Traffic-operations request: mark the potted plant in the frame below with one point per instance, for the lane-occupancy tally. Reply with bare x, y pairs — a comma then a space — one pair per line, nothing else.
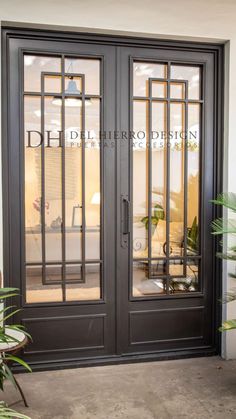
9, 335
222, 226
159, 214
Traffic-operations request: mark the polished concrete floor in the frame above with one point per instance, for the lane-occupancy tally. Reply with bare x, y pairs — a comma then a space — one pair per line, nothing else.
191, 388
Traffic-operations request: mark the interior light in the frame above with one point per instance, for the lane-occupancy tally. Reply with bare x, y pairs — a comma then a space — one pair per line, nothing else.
96, 198
72, 102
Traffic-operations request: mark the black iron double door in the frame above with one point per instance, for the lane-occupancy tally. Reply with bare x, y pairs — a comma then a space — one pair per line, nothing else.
110, 172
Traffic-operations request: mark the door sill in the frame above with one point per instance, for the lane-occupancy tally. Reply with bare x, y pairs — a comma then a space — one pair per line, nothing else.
120, 359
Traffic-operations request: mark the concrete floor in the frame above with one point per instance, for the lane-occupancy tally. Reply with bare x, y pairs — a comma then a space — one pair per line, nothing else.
191, 388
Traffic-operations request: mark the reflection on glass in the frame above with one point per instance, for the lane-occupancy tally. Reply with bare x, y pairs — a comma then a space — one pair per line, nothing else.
188, 283
193, 177
142, 71
140, 179
192, 75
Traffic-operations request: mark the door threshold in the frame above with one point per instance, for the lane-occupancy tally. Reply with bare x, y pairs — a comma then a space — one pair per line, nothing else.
120, 359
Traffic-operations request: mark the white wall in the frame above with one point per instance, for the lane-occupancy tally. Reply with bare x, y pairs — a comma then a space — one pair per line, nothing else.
182, 19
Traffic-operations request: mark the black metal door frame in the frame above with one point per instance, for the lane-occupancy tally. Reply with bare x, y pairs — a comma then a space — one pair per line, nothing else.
198, 307
173, 48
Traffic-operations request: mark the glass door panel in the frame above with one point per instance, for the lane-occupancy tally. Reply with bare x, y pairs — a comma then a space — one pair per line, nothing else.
62, 116
166, 109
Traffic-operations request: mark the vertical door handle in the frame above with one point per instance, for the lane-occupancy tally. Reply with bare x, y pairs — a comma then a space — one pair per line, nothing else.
125, 220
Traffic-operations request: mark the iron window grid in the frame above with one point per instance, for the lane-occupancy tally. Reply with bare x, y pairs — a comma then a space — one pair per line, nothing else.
63, 263
168, 100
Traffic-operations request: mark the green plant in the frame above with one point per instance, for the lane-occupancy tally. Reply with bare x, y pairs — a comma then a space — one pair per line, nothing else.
5, 314
223, 227
192, 236
6, 412
7, 337
159, 214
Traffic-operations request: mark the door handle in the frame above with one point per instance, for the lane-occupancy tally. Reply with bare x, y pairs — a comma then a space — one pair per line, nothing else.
125, 220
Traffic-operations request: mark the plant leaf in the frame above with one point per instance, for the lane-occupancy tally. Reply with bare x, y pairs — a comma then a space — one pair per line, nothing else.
6, 412
228, 325
221, 226
227, 199
11, 314
19, 361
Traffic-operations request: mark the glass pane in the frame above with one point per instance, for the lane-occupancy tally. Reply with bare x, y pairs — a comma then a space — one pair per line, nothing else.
193, 178
90, 289
52, 182
73, 85
176, 178
192, 75
145, 282
158, 178
52, 84
159, 89
90, 68
34, 65
177, 90
140, 179
74, 273
143, 71
33, 239
38, 293
73, 183
92, 177
188, 283
66, 181
176, 141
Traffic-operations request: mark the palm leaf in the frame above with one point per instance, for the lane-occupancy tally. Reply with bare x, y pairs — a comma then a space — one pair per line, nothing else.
221, 226
226, 199
226, 256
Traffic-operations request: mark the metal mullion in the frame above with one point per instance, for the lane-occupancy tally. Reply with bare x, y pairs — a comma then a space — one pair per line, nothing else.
63, 174
69, 262
68, 282
83, 179
158, 99
43, 238
180, 258
168, 184
185, 178
149, 180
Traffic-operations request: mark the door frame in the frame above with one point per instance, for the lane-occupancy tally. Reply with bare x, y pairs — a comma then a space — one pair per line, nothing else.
217, 50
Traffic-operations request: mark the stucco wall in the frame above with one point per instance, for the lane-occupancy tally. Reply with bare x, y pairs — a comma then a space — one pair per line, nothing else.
182, 19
